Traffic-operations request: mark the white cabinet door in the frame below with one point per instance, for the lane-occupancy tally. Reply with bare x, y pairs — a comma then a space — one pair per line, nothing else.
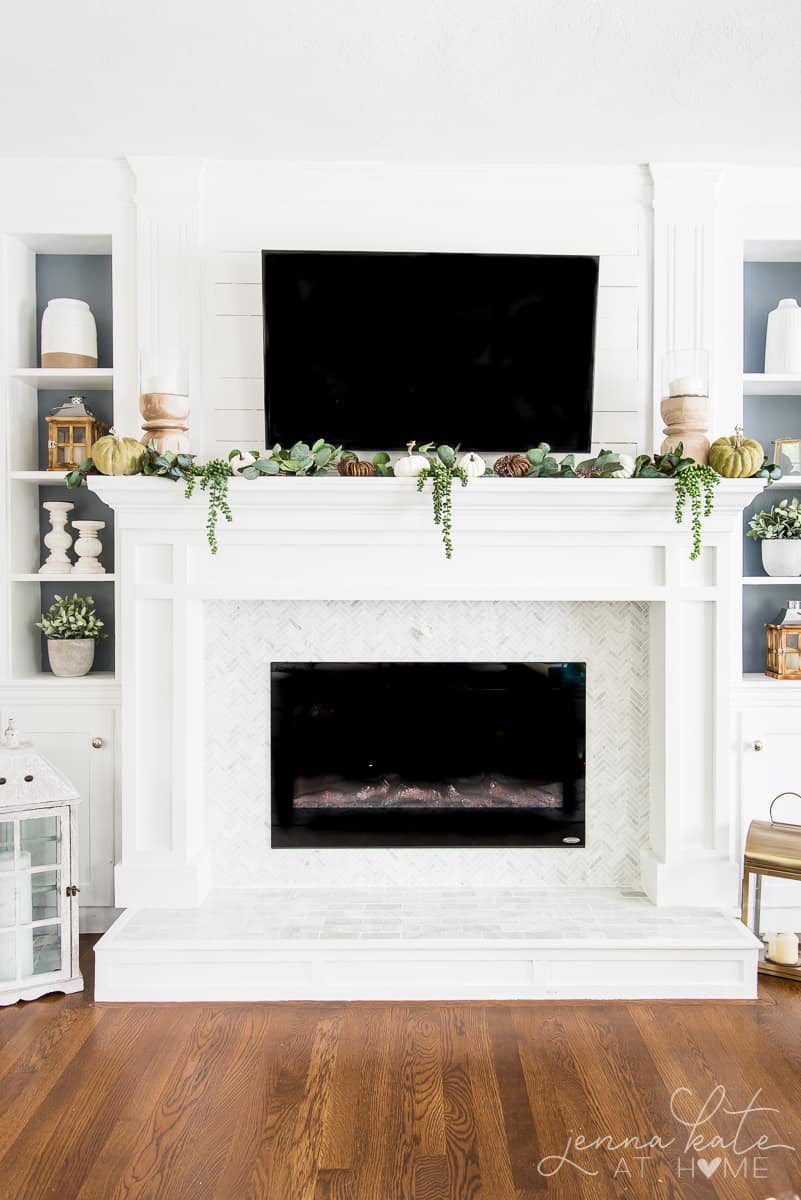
65, 734
770, 763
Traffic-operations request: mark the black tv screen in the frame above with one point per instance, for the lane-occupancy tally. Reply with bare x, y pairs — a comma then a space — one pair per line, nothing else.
370, 350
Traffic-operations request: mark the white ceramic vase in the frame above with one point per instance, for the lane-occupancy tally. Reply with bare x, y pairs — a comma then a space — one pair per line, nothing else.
783, 341
71, 657
57, 540
782, 556
69, 334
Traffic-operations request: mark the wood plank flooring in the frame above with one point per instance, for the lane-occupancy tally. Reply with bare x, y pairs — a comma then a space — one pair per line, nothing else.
395, 1101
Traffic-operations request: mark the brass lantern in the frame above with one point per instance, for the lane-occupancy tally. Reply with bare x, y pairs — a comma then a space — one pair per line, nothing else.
772, 848
71, 431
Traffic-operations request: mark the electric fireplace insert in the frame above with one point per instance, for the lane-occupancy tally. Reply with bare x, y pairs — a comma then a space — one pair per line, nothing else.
427, 754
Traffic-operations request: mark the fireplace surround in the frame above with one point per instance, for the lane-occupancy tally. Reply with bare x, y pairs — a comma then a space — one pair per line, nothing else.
242, 639
317, 552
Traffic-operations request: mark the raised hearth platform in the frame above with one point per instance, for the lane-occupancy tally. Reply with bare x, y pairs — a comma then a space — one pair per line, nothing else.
425, 944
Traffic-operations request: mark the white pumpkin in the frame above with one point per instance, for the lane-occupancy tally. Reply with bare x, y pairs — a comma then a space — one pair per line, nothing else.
627, 465
472, 464
411, 466
246, 459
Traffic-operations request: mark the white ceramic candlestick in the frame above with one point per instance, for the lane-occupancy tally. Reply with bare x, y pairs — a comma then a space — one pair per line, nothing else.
88, 547
783, 948
57, 540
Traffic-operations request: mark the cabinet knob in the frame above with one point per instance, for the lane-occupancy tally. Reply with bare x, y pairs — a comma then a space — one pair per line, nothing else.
97, 742
759, 745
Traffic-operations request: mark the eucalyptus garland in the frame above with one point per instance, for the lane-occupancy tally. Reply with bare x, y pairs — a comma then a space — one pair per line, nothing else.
697, 484
693, 482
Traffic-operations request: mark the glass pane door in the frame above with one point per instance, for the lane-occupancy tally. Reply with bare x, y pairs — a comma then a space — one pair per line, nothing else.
8, 916
34, 919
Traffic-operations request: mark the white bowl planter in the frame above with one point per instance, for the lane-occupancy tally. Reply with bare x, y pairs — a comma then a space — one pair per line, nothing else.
782, 556
71, 657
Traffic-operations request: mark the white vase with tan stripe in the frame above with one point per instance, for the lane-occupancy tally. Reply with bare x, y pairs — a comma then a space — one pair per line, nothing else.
69, 334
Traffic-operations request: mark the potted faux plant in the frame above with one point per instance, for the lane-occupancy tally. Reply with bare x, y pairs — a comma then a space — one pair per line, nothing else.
779, 530
71, 627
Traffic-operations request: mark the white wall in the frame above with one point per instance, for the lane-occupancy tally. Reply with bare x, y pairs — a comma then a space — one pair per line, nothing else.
404, 80
249, 207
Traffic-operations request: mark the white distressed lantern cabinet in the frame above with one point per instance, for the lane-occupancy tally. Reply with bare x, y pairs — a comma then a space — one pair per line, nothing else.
38, 869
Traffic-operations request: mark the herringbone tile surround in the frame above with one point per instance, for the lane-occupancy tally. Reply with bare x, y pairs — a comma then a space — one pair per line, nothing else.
242, 638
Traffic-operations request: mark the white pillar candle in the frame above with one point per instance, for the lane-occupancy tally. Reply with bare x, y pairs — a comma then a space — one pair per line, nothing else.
687, 385
783, 948
165, 384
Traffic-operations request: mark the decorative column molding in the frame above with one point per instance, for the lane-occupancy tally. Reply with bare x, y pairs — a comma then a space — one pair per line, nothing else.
168, 215
686, 271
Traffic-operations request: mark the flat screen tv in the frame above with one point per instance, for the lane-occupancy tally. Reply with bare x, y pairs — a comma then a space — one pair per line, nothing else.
370, 350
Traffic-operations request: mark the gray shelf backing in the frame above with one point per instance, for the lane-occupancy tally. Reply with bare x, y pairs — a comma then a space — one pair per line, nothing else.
87, 507
762, 605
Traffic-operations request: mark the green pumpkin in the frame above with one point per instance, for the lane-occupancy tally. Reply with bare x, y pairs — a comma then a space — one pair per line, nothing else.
114, 455
736, 457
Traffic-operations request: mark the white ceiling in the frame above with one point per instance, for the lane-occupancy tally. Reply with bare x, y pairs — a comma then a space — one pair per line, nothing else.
457, 80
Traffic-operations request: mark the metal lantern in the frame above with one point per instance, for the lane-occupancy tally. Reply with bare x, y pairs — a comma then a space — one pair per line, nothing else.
784, 651
38, 869
772, 848
71, 431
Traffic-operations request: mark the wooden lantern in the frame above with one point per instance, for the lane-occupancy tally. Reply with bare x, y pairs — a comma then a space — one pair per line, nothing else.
71, 431
784, 651
772, 848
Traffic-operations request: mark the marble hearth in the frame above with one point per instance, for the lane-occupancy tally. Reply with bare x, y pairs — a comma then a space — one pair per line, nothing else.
559, 569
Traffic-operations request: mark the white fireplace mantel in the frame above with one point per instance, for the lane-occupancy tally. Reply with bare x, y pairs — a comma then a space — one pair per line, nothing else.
568, 540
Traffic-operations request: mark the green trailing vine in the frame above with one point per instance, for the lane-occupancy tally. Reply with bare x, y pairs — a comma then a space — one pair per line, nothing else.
442, 469
697, 484
213, 478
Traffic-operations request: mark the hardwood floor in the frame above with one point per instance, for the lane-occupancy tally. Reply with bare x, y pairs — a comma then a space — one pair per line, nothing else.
387, 1101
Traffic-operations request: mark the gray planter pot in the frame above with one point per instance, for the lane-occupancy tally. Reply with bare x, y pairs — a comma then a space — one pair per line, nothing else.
70, 657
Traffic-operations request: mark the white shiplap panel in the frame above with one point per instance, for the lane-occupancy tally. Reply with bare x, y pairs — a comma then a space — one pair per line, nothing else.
615, 427
242, 428
618, 318
236, 266
303, 221
239, 393
618, 447
616, 380
236, 299
236, 347
619, 270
